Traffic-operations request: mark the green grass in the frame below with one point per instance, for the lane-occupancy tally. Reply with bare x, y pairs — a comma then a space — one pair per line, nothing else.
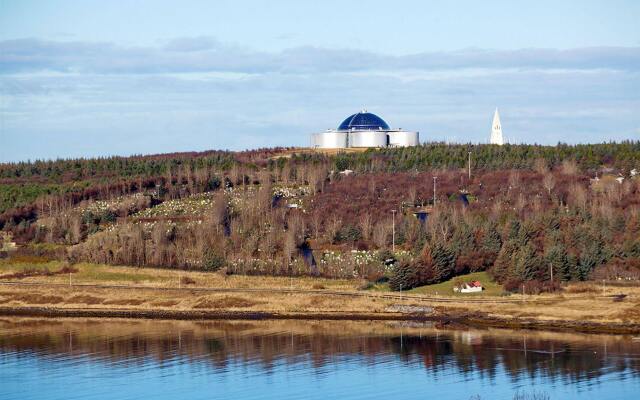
7, 266
491, 288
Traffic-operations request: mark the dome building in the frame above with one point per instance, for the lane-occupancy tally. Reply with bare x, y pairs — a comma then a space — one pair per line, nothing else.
363, 129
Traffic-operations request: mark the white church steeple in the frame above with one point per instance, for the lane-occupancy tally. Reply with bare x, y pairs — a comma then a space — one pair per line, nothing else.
496, 130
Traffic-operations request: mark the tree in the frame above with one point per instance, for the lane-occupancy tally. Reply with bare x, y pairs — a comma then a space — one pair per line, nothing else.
505, 261
556, 256
491, 241
549, 182
408, 274
513, 229
444, 261
526, 263
589, 259
462, 240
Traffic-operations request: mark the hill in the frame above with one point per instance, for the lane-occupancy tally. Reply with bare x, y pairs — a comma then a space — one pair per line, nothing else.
525, 210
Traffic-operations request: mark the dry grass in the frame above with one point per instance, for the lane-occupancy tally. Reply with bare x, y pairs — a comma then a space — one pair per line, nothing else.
579, 302
124, 302
582, 287
36, 298
106, 298
227, 302
549, 307
165, 303
156, 277
84, 299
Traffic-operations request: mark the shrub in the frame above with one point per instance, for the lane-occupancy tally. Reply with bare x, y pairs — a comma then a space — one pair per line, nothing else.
514, 285
213, 261
365, 285
348, 233
185, 280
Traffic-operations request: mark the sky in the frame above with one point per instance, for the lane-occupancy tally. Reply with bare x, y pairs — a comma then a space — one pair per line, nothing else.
96, 78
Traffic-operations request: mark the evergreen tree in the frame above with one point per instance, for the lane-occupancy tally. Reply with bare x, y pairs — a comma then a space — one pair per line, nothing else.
505, 261
444, 261
572, 266
513, 229
491, 241
404, 276
526, 263
557, 257
526, 232
589, 259
631, 248
462, 240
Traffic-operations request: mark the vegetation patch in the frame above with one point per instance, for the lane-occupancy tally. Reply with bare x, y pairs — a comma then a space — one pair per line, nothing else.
165, 303
84, 299
124, 302
491, 288
32, 271
225, 303
36, 298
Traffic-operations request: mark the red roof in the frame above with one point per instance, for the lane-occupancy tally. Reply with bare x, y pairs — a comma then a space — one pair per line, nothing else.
474, 284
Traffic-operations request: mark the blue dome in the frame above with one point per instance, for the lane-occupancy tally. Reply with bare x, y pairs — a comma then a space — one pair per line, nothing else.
363, 121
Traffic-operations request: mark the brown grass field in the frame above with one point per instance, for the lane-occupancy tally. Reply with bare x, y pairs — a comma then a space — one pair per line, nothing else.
162, 289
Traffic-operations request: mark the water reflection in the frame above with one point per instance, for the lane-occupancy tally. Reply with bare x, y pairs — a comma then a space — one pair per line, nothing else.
284, 357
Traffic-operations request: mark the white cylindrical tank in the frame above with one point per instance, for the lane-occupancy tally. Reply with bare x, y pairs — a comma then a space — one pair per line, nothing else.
368, 138
403, 138
329, 140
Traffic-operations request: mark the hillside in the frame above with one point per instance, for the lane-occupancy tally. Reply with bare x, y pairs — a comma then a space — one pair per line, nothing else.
526, 210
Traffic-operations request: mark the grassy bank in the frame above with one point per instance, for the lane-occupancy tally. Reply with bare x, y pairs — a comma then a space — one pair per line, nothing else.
100, 288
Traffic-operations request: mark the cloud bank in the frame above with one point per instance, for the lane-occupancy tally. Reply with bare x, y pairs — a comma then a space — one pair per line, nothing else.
62, 98
200, 54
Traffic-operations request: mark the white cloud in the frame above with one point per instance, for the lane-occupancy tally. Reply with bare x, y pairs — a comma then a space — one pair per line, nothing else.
74, 98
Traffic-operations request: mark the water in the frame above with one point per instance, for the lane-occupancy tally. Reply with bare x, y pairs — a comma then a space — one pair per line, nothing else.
133, 359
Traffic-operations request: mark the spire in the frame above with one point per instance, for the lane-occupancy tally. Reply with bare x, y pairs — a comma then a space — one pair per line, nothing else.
496, 130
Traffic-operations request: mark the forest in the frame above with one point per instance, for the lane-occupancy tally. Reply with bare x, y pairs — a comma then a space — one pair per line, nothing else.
528, 214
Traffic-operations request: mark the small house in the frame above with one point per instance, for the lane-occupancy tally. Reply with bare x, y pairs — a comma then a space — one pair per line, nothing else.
469, 287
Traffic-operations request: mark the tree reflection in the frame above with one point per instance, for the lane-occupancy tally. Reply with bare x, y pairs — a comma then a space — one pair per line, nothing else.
564, 358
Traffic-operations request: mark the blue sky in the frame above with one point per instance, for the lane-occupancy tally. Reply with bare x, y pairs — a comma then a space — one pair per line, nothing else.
91, 78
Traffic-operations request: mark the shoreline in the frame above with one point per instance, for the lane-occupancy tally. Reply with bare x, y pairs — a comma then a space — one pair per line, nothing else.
442, 319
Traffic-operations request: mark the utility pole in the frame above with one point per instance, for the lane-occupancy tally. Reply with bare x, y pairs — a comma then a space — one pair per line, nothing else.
434, 190
469, 165
393, 236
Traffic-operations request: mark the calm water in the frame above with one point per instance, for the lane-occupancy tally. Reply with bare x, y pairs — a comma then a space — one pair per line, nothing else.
122, 359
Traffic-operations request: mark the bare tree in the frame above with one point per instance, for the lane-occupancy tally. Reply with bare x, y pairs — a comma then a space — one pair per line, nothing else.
316, 223
366, 225
514, 179
549, 182
412, 195
569, 167
332, 228
540, 166
577, 195
372, 186
381, 234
